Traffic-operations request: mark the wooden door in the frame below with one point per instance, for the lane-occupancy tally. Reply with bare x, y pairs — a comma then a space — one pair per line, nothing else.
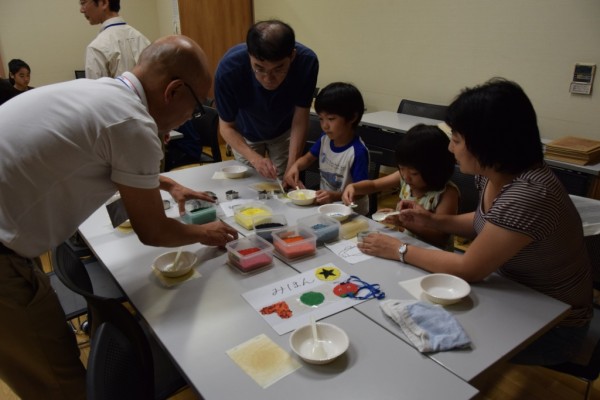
216, 25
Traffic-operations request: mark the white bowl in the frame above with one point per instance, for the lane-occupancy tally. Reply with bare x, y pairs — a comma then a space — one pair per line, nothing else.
164, 263
444, 288
334, 339
302, 197
234, 172
336, 211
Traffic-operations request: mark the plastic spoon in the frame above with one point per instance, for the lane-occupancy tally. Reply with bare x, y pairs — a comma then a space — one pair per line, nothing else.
280, 185
380, 216
177, 257
353, 205
318, 351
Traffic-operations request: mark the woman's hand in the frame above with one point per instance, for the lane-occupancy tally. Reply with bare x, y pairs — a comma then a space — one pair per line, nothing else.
412, 215
380, 245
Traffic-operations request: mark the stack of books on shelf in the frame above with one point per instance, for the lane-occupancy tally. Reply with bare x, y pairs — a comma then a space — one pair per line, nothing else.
574, 150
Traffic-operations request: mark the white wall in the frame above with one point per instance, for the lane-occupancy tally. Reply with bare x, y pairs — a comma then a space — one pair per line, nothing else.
391, 49
51, 35
429, 50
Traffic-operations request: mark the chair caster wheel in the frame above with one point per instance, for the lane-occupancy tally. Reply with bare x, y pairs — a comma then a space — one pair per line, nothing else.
85, 327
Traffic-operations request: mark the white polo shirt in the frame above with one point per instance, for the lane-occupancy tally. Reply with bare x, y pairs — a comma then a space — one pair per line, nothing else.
62, 149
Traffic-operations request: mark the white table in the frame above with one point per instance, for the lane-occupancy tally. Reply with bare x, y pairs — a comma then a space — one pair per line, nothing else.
395, 122
198, 321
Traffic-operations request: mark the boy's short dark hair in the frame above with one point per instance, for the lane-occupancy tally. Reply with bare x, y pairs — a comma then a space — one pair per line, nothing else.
499, 125
425, 148
342, 99
271, 40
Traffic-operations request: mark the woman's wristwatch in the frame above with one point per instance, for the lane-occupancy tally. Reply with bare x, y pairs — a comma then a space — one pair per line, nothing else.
402, 251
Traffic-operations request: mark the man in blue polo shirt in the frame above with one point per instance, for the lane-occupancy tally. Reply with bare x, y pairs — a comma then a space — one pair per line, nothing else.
263, 92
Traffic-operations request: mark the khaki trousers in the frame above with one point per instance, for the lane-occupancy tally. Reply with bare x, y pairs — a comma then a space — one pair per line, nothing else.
278, 150
39, 356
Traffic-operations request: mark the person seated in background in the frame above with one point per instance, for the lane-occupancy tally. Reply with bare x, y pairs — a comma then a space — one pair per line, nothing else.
263, 92
19, 76
525, 226
343, 157
425, 166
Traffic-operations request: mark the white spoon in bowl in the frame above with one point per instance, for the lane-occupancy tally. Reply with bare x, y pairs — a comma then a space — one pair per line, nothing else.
317, 349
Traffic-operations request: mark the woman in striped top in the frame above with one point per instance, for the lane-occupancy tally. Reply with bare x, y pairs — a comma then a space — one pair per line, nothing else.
525, 226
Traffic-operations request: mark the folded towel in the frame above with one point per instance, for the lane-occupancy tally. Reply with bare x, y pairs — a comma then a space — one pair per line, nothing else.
430, 328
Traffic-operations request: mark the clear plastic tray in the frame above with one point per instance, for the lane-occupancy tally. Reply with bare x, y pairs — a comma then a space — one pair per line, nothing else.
294, 242
249, 253
244, 214
325, 228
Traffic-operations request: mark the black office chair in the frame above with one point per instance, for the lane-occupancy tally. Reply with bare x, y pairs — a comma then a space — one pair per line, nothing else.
115, 368
590, 370
426, 110
74, 305
197, 133
469, 196
157, 364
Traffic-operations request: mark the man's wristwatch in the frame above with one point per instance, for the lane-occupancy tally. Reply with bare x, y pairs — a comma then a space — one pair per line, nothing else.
402, 251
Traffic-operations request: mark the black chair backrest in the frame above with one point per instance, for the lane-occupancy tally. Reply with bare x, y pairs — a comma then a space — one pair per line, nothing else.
469, 196
114, 369
426, 110
208, 129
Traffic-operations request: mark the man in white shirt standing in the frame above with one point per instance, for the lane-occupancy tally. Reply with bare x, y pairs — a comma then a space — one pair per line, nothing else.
117, 47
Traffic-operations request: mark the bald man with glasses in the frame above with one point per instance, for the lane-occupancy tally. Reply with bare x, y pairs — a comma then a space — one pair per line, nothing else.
66, 149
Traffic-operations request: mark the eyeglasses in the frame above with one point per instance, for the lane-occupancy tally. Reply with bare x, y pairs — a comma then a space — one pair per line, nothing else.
199, 111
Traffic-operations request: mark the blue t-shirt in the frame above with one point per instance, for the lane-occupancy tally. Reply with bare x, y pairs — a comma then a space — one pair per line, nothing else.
262, 114
340, 166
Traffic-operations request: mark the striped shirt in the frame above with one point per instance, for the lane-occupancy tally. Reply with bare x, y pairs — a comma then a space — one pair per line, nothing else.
556, 263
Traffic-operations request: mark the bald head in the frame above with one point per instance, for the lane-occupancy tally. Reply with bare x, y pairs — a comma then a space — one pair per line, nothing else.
174, 72
170, 57
271, 40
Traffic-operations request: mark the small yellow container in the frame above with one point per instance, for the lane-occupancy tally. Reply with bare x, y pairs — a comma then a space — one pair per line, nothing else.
245, 214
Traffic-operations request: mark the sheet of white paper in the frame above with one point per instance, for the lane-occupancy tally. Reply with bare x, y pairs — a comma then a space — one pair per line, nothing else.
348, 250
413, 287
287, 304
219, 175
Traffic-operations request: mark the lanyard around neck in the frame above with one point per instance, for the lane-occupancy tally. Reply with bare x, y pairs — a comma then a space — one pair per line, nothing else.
115, 24
129, 84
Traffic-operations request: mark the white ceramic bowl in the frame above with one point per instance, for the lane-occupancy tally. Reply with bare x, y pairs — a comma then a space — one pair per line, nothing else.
302, 197
234, 171
336, 211
164, 263
335, 342
444, 288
